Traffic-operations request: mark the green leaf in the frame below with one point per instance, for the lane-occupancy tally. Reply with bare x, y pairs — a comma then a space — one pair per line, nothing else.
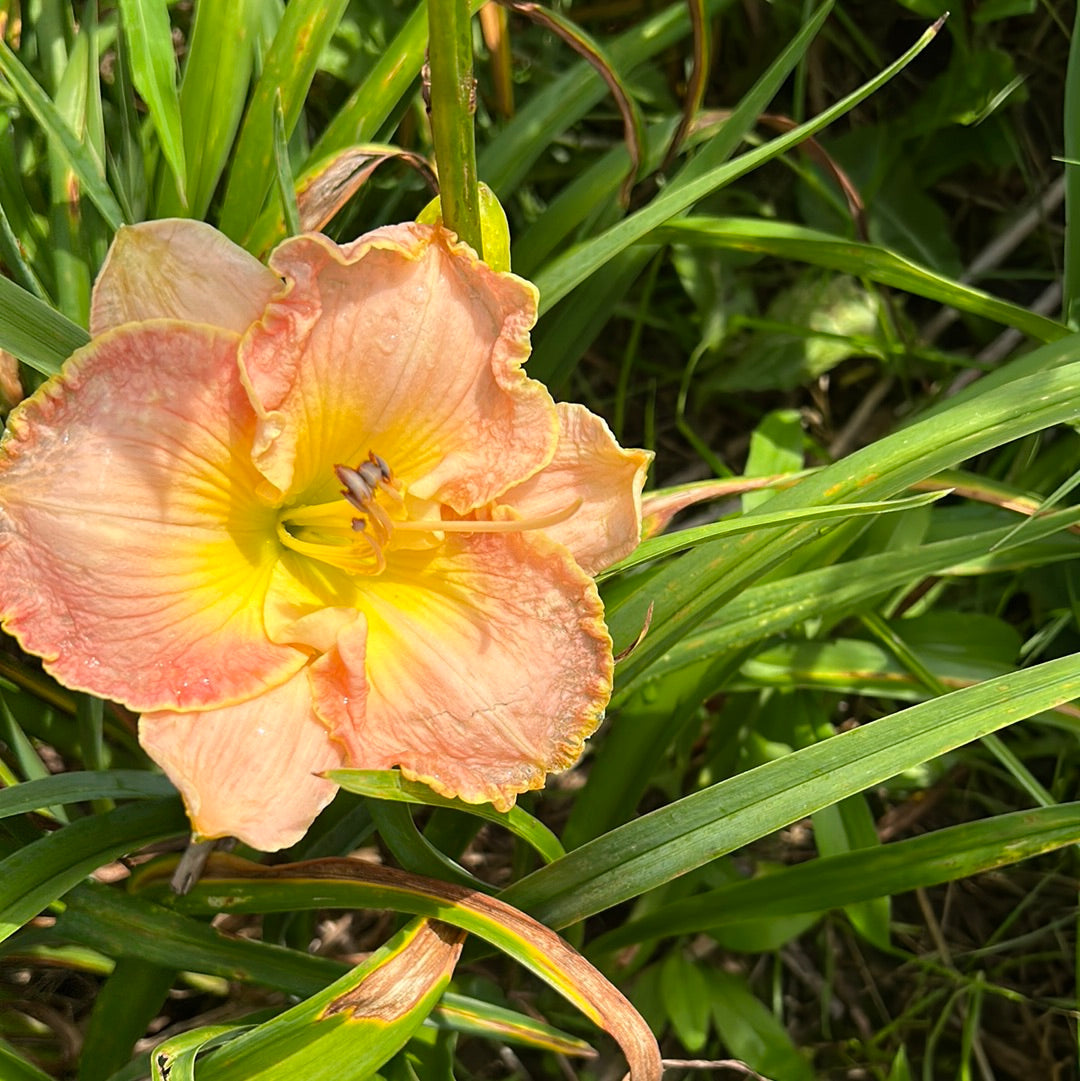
230, 884
283, 173
505, 161
174, 1059
39, 873
348, 1030
787, 241
701, 827
122, 926
390, 785
1071, 283
35, 332
686, 591
382, 89
750, 1032
217, 71
774, 607
686, 1000
569, 270
679, 541
861, 875
153, 70
288, 69
129, 1001
80, 157
79, 787
13, 1067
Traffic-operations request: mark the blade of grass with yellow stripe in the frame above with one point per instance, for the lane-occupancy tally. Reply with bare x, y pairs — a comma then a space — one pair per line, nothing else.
348, 1030
235, 885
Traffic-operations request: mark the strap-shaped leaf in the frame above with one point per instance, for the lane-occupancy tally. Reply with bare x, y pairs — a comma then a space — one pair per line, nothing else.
39, 873
231, 884
153, 70
789, 241
34, 331
696, 829
86, 167
288, 69
833, 881
78, 787
120, 926
570, 270
347, 1031
390, 785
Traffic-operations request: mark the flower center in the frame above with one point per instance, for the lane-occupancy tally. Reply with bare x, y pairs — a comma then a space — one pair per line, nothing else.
357, 542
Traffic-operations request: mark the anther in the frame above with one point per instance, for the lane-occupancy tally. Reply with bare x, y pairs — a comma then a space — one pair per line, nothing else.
362, 482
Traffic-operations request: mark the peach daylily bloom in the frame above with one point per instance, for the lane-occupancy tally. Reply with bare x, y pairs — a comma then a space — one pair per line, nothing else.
316, 515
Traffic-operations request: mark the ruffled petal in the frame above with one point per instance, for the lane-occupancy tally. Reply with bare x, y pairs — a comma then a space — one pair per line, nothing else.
134, 553
249, 770
403, 344
591, 466
477, 669
179, 269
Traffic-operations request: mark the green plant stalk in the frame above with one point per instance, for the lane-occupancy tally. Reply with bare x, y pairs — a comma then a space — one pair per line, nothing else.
1070, 301
452, 89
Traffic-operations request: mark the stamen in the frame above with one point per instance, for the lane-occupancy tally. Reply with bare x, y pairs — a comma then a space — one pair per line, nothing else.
347, 556
359, 548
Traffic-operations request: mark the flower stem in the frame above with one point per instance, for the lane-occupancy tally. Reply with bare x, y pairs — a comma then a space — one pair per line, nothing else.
452, 90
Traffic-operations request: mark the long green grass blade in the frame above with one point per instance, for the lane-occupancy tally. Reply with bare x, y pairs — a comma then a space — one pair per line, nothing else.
130, 999
39, 873
229, 884
13, 1067
348, 1030
76, 787
390, 785
121, 926
506, 160
571, 269
1070, 301
657, 547
217, 71
771, 608
696, 829
787, 241
834, 881
705, 578
34, 331
83, 164
153, 70
288, 69
369, 105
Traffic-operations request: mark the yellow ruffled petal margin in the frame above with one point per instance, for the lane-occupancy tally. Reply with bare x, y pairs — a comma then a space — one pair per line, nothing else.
477, 670
134, 554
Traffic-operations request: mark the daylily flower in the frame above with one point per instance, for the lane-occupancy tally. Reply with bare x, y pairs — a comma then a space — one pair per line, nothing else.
316, 515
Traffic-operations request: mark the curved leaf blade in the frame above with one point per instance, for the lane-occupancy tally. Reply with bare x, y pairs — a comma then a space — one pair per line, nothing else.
699, 828
153, 71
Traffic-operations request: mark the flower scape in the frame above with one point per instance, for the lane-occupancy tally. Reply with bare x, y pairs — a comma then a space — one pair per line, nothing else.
314, 514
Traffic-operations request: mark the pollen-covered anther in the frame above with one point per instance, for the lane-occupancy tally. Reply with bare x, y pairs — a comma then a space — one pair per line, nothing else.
361, 485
